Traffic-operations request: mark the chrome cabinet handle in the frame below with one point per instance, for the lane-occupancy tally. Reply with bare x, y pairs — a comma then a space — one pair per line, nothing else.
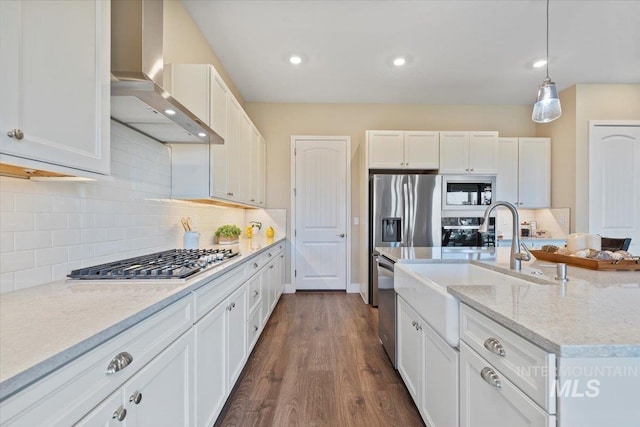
119, 362
255, 265
15, 133
490, 376
256, 293
136, 397
120, 414
340, 235
494, 346
229, 194
253, 200
271, 266
270, 255
255, 328
414, 323
418, 327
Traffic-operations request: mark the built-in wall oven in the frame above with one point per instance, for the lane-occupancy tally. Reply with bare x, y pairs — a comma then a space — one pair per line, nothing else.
467, 192
462, 231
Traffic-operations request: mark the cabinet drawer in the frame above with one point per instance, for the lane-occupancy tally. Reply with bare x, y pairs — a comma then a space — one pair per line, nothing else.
64, 396
214, 292
524, 364
254, 327
255, 293
254, 265
483, 403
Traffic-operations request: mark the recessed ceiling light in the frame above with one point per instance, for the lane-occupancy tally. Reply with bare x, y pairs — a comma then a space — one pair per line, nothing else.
169, 112
399, 61
202, 134
295, 59
540, 63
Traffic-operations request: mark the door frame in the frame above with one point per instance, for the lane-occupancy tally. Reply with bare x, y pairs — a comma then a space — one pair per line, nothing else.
350, 288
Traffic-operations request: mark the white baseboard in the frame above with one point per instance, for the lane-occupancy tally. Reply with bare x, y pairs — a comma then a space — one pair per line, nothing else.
289, 289
353, 288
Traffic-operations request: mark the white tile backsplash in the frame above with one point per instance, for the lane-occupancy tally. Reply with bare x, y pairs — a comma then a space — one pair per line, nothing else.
51, 228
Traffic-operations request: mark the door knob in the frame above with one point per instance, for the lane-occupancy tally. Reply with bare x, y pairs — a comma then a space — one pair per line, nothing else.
340, 235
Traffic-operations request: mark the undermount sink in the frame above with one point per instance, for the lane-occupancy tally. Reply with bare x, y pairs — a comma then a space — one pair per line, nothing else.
424, 287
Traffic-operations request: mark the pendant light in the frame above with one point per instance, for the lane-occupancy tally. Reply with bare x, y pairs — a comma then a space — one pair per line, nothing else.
547, 106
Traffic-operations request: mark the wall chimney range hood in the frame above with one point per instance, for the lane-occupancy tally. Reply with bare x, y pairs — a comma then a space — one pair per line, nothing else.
137, 97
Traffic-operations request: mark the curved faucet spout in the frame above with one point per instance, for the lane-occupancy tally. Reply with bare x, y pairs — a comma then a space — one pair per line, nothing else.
515, 261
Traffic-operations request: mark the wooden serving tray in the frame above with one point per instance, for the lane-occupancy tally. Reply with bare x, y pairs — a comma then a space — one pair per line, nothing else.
593, 264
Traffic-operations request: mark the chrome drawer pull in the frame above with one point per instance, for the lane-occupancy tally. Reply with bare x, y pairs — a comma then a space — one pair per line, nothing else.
255, 265
136, 398
119, 362
120, 414
494, 346
256, 293
490, 376
255, 328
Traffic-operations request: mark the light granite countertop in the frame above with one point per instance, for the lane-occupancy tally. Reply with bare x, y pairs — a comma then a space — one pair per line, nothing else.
44, 327
594, 314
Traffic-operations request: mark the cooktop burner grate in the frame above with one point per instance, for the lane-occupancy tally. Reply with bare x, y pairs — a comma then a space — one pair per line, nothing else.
171, 264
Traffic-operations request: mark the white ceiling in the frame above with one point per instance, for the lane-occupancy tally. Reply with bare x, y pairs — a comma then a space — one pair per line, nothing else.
461, 52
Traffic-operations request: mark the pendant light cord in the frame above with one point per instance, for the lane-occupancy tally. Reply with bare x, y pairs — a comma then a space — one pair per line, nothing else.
547, 39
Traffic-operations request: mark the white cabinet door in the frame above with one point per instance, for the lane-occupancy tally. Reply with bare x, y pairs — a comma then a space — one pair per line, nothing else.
439, 402
232, 151
110, 413
189, 84
160, 393
507, 178
485, 404
244, 158
210, 365
483, 152
385, 149
252, 157
262, 169
218, 99
421, 150
410, 347
55, 83
454, 152
236, 334
534, 172
524, 172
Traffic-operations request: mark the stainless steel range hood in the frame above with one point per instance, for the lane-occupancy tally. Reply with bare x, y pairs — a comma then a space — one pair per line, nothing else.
137, 97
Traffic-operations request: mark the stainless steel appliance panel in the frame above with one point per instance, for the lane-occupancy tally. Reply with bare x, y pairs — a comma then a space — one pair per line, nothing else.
404, 211
467, 192
386, 306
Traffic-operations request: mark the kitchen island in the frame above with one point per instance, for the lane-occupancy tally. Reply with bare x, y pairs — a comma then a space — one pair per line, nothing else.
530, 347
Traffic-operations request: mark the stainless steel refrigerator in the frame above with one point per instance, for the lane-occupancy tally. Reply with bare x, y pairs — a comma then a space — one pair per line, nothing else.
404, 210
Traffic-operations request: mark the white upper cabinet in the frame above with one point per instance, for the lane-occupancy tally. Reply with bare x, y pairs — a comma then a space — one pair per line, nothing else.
55, 85
524, 172
200, 88
403, 149
468, 152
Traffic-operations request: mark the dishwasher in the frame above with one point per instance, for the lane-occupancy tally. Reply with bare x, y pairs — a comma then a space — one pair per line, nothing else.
386, 306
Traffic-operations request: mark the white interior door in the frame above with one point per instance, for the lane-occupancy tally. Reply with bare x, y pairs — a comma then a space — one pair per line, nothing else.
614, 182
320, 191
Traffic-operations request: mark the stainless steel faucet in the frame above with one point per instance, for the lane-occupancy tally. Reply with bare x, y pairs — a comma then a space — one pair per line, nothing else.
515, 261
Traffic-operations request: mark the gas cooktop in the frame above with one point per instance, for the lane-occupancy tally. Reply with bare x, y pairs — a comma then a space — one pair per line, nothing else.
171, 264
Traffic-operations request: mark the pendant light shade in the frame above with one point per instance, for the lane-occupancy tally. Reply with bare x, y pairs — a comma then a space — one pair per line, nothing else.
547, 107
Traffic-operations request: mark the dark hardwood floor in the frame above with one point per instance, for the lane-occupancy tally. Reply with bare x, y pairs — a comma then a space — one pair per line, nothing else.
319, 362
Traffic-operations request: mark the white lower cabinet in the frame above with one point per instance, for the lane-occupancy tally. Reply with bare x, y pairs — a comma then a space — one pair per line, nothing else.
504, 379
156, 396
429, 368
488, 398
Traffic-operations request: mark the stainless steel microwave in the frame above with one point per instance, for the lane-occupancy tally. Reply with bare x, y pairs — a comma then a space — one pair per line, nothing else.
467, 192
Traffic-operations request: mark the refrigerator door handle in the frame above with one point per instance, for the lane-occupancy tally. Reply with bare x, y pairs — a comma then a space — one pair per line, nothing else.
405, 214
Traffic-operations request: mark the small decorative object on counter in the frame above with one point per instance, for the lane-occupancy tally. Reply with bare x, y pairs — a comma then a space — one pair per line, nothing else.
256, 224
228, 234
249, 231
191, 240
270, 232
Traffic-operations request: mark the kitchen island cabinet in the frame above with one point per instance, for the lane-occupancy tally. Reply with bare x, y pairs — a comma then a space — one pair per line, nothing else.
36, 132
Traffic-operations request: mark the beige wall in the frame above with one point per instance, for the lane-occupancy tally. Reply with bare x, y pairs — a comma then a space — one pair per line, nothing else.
185, 44
570, 141
277, 122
